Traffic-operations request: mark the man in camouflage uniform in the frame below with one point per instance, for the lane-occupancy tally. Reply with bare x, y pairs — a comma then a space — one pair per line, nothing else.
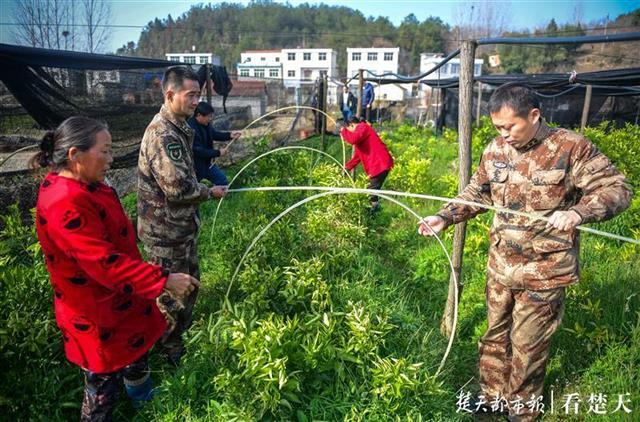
168, 197
555, 173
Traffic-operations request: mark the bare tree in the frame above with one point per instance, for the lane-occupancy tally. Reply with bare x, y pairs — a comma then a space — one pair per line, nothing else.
480, 19
96, 15
41, 23
61, 24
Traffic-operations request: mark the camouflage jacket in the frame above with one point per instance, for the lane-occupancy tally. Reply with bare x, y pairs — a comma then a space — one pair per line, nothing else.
557, 170
168, 191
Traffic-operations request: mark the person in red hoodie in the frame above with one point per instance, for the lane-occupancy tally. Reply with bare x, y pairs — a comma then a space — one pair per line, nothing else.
104, 293
371, 151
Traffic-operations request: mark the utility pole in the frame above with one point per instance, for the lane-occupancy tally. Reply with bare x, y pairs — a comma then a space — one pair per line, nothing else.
467, 55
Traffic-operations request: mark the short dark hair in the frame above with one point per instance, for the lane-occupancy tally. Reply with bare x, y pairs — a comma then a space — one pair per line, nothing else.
77, 131
175, 77
354, 120
517, 96
203, 109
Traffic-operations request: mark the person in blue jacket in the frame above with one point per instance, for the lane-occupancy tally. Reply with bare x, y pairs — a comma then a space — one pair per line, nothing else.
203, 152
368, 96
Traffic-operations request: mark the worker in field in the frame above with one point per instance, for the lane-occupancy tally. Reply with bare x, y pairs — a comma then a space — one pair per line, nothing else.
369, 149
204, 154
556, 173
368, 96
348, 103
169, 194
104, 293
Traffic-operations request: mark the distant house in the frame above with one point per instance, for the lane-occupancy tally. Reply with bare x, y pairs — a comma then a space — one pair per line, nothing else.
377, 61
260, 65
252, 94
194, 58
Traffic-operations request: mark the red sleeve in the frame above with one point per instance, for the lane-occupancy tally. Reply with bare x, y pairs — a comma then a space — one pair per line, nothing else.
78, 230
355, 160
354, 137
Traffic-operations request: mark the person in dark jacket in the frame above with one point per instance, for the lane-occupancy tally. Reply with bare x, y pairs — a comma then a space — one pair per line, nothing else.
368, 95
104, 293
369, 149
348, 103
203, 152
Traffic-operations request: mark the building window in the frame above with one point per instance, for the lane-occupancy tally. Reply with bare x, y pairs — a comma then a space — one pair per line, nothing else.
274, 73
307, 73
190, 59
291, 73
355, 57
388, 57
258, 73
244, 72
322, 56
174, 58
372, 57
204, 60
455, 69
248, 60
291, 56
277, 59
306, 56
262, 59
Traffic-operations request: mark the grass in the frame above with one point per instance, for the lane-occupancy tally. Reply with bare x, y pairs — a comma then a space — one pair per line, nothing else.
335, 314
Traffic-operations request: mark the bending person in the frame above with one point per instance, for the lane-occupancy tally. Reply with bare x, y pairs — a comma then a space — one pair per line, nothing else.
104, 293
371, 151
204, 154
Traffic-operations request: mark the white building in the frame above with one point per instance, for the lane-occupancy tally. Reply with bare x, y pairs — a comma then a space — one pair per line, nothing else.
260, 64
305, 65
377, 61
451, 69
194, 58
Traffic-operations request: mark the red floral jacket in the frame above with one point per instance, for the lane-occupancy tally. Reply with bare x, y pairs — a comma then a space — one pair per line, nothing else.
368, 148
104, 293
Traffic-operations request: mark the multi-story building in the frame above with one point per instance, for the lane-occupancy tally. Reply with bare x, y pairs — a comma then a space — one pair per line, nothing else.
194, 58
260, 64
377, 61
305, 65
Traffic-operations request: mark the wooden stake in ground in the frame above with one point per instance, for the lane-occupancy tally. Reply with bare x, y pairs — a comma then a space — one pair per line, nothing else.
585, 108
479, 105
207, 68
465, 106
360, 86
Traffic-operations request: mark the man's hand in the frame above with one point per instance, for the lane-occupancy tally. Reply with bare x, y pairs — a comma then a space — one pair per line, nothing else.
564, 220
181, 284
430, 226
236, 134
224, 151
218, 191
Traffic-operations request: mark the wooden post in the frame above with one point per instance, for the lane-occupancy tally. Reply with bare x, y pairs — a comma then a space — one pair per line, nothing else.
585, 108
360, 86
479, 105
208, 71
467, 55
323, 102
442, 112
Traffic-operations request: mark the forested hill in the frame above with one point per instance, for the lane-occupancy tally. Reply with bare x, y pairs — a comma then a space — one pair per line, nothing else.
228, 29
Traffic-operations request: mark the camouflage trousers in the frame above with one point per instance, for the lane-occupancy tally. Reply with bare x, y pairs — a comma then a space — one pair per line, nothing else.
515, 348
101, 391
177, 311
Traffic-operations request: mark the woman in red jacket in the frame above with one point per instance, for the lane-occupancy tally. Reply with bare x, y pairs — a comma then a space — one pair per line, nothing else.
371, 151
104, 293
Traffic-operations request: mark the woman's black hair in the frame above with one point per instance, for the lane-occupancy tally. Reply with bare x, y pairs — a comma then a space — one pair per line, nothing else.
78, 131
